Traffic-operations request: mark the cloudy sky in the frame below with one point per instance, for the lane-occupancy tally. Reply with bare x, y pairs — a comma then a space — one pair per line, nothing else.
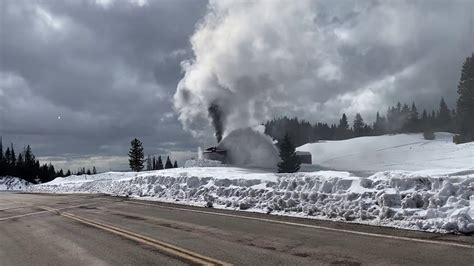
79, 79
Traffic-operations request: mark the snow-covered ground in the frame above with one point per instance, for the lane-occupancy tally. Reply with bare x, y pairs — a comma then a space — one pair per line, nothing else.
423, 200
392, 152
12, 183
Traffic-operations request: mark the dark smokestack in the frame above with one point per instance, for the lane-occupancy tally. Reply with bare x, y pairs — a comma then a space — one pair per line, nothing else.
216, 116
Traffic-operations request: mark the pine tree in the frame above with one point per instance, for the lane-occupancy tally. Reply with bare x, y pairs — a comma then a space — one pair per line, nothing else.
159, 164
88, 171
20, 166
444, 116
136, 155
379, 125
13, 161
94, 170
154, 163
148, 163
2, 159
412, 123
68, 173
343, 122
31, 172
175, 165
465, 102
8, 161
168, 163
403, 118
359, 125
343, 128
289, 161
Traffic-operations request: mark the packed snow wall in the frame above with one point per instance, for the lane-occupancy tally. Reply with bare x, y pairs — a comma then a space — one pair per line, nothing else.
441, 203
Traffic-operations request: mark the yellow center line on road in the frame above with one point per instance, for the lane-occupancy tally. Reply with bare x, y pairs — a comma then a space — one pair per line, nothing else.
444, 243
164, 247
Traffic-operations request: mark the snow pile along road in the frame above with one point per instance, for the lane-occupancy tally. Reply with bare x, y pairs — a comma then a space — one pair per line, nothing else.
430, 200
392, 152
13, 183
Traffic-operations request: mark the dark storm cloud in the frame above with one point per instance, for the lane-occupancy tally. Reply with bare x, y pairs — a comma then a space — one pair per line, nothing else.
107, 70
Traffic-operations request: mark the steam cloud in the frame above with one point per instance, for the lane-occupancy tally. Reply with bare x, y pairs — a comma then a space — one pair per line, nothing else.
255, 60
243, 70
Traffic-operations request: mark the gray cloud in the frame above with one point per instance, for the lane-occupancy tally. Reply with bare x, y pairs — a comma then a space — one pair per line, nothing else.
109, 71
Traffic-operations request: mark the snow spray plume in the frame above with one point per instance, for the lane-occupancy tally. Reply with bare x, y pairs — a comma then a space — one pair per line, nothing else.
216, 116
250, 148
243, 71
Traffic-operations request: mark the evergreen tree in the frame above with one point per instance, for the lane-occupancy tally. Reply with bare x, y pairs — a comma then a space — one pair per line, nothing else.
159, 164
343, 122
154, 163
94, 170
8, 160
379, 125
359, 125
465, 102
168, 163
12, 161
424, 122
2, 163
136, 155
88, 171
175, 165
20, 166
343, 128
31, 171
403, 118
444, 117
68, 173
289, 161
412, 124
148, 163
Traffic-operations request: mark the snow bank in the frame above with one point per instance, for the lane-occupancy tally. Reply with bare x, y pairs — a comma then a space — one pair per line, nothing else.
411, 200
202, 163
392, 152
13, 183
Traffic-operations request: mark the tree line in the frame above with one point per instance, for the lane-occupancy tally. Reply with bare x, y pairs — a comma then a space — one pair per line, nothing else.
401, 118
137, 159
398, 119
27, 167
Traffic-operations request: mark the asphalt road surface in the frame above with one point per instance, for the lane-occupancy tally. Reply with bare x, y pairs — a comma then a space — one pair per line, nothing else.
81, 229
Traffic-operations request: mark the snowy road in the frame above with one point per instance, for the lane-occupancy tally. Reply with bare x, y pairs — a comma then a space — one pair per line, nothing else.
82, 229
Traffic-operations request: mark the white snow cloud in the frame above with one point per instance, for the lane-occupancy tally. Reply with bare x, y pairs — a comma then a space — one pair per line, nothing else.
317, 59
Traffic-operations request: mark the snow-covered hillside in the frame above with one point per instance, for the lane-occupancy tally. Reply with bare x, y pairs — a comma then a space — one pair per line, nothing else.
12, 183
423, 200
392, 152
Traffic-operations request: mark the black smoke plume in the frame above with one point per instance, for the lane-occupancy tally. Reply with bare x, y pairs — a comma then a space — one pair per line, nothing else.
216, 116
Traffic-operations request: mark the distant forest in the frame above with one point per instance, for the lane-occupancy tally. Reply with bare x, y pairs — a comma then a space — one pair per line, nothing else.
27, 167
401, 118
